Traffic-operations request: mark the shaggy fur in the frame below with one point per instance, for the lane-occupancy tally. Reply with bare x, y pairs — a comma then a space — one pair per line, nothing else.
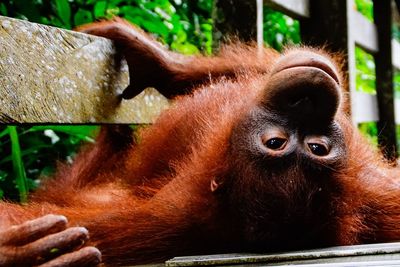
190, 184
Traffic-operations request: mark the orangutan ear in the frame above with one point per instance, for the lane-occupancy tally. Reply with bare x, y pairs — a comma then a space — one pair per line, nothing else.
216, 184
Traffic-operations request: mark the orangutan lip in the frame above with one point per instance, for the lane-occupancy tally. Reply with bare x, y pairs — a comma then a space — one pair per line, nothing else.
314, 64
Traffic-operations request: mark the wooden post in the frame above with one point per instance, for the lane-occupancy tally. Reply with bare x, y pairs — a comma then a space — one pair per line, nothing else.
327, 25
234, 18
384, 79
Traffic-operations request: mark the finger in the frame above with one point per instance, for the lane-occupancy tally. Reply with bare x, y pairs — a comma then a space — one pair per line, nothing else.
130, 92
32, 230
87, 256
54, 245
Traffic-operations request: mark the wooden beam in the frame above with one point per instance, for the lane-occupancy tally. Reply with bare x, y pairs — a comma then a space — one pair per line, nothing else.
384, 79
234, 18
365, 33
364, 108
297, 9
385, 254
50, 75
396, 54
327, 25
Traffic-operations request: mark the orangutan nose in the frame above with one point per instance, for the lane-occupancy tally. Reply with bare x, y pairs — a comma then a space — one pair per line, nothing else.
304, 86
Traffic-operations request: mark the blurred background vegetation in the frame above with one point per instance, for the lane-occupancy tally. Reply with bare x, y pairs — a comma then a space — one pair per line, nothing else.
30, 152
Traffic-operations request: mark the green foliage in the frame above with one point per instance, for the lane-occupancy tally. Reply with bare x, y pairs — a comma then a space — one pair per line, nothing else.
396, 31
30, 152
396, 83
18, 166
370, 131
185, 26
365, 7
365, 72
279, 29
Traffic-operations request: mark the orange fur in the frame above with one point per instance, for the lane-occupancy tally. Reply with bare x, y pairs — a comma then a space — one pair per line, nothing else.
150, 200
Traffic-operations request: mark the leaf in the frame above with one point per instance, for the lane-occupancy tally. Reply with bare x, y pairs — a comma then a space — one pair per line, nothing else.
25, 152
112, 12
157, 27
99, 9
369, 130
3, 9
365, 71
3, 175
206, 27
4, 132
180, 37
115, 3
64, 12
18, 166
28, 10
85, 132
185, 48
56, 22
82, 16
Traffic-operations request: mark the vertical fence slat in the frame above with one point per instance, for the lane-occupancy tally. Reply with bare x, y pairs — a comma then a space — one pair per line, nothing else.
365, 33
234, 18
384, 79
294, 8
396, 53
327, 25
365, 108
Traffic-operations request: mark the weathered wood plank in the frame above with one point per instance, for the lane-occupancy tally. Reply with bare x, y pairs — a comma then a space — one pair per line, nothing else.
294, 8
364, 107
397, 110
351, 58
327, 25
234, 18
360, 255
365, 33
50, 75
396, 54
384, 80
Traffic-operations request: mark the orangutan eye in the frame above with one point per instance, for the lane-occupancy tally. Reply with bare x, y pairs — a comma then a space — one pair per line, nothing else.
276, 143
318, 149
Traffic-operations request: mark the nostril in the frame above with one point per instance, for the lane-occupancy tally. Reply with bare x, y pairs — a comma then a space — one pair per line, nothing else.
300, 102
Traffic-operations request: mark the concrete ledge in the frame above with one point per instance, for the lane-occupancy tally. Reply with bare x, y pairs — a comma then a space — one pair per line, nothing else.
50, 75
